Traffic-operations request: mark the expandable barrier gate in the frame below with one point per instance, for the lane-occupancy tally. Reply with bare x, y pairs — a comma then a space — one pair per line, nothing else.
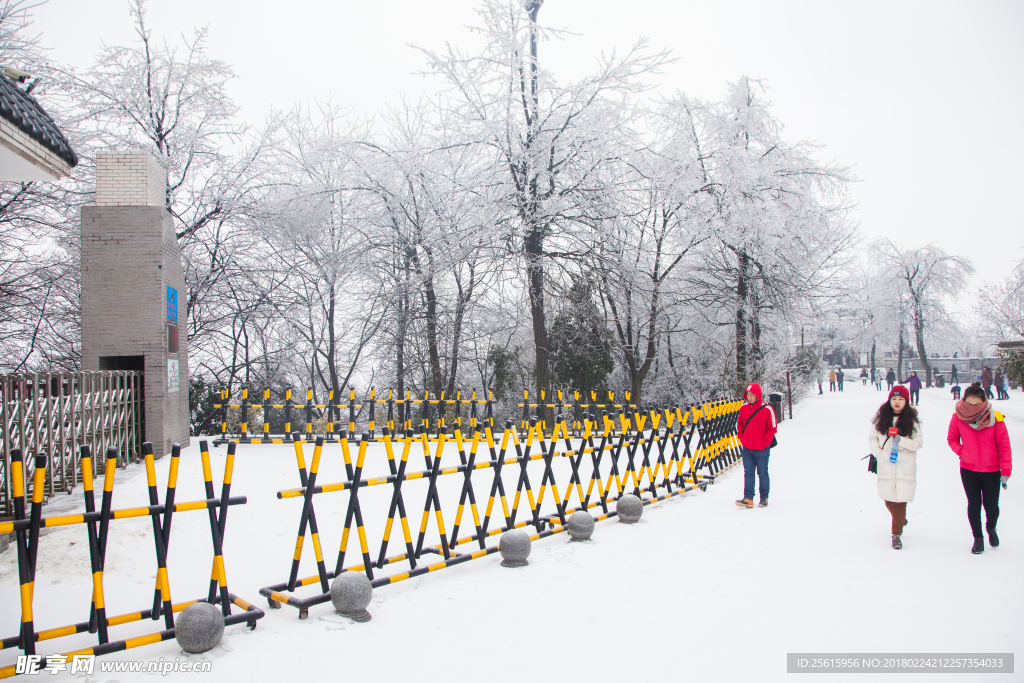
651, 452
435, 414
98, 524
57, 413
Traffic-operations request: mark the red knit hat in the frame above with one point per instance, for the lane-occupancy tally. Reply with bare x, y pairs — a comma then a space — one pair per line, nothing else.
901, 390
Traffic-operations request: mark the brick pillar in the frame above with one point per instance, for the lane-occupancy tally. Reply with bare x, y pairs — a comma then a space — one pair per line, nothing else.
133, 290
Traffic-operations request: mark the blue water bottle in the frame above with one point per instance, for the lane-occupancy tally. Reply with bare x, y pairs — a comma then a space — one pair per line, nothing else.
895, 448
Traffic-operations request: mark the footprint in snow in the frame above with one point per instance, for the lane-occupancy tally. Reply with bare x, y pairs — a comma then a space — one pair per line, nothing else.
334, 622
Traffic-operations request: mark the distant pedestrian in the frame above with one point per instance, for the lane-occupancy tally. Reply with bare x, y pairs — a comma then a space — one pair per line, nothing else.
914, 384
1006, 388
999, 386
864, 377
977, 433
894, 440
890, 378
756, 429
831, 379
840, 376
986, 382
956, 392
952, 373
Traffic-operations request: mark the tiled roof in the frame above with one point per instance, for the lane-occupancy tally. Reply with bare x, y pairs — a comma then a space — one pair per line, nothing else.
22, 110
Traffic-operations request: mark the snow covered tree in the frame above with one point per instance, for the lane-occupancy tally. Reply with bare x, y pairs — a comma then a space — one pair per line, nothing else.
660, 217
313, 220
546, 141
1000, 308
927, 276
39, 266
779, 222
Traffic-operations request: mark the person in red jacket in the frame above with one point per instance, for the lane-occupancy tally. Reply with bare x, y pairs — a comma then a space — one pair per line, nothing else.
978, 435
756, 428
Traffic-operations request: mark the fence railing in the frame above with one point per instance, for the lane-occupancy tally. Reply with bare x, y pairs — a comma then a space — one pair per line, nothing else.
259, 420
500, 484
57, 413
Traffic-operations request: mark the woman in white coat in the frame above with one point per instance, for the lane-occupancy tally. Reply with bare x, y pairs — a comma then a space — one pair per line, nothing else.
894, 440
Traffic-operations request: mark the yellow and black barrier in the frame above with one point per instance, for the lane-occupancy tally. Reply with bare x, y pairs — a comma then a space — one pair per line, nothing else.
654, 455
97, 523
438, 414
397, 411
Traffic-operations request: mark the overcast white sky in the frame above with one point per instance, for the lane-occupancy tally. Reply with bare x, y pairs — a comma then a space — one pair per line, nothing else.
920, 98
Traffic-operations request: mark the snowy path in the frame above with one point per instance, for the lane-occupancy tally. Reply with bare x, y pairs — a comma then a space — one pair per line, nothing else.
700, 589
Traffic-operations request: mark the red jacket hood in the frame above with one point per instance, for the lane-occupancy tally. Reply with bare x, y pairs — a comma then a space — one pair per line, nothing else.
756, 388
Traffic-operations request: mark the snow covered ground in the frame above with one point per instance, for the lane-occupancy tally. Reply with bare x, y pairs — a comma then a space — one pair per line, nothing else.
698, 590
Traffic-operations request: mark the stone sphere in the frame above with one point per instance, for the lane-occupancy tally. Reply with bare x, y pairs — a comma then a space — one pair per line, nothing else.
514, 546
351, 593
580, 526
199, 628
629, 508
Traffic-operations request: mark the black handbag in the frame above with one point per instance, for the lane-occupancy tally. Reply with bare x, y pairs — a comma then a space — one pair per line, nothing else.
775, 442
873, 461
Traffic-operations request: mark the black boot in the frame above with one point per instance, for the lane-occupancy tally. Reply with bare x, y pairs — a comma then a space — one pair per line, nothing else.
979, 546
993, 540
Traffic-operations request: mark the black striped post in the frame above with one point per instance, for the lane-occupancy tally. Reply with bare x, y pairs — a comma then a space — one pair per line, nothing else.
497, 485
309, 482
27, 639
373, 407
218, 525
266, 413
397, 502
434, 466
489, 415
351, 412
309, 413
225, 394
163, 585
467, 489
391, 411
354, 512
244, 428
172, 486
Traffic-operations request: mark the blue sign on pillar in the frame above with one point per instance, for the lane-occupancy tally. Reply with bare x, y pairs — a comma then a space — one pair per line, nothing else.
172, 304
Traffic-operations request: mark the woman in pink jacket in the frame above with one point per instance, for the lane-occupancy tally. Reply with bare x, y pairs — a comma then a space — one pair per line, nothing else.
978, 435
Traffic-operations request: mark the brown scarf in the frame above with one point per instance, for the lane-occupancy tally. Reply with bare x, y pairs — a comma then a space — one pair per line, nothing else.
976, 417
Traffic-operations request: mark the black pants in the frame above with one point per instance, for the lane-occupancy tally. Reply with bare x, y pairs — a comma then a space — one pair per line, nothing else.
915, 397
981, 488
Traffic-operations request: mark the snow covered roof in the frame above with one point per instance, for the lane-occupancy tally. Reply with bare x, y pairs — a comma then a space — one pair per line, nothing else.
23, 112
